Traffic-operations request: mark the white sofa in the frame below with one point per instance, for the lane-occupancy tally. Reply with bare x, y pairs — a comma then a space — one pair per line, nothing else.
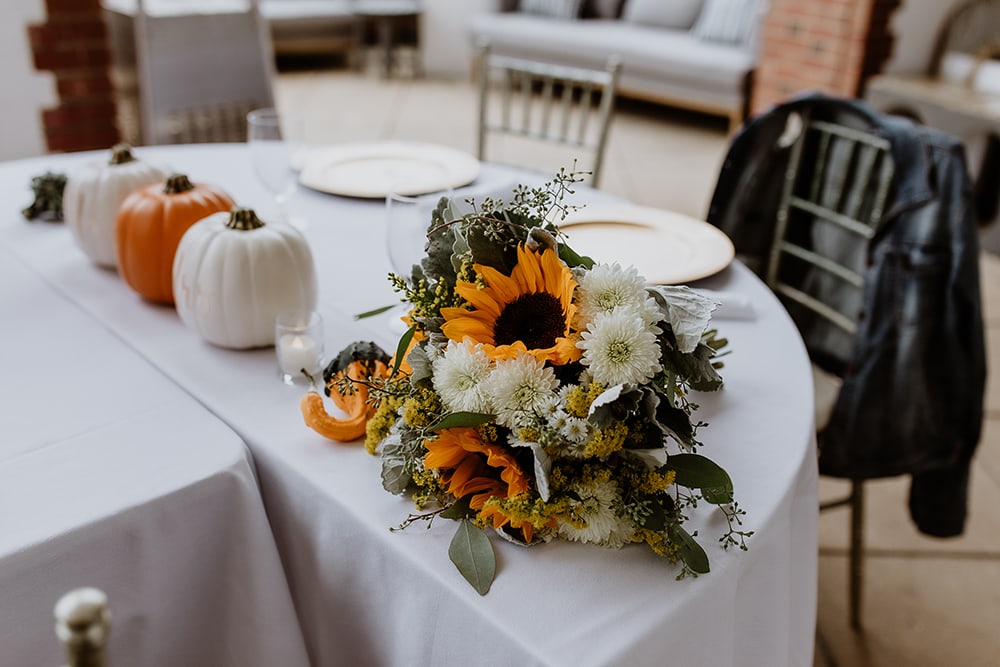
696, 54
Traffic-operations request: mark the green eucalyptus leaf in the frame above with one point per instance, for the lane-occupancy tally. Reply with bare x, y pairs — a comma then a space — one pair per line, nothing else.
574, 259
690, 551
698, 472
460, 420
373, 312
404, 344
472, 553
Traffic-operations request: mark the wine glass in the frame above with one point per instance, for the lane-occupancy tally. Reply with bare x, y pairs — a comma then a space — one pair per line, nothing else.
275, 140
408, 219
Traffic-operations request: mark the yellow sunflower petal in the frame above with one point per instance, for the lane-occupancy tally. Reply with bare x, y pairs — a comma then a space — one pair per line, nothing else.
503, 289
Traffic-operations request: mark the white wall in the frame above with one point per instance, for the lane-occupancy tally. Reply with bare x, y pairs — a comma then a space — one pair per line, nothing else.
445, 48
915, 25
23, 91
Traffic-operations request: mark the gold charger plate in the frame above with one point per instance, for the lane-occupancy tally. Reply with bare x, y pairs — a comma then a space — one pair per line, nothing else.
666, 248
373, 170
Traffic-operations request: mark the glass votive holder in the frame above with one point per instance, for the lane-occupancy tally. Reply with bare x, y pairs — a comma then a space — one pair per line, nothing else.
298, 345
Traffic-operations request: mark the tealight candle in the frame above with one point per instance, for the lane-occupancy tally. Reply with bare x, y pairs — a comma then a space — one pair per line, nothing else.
296, 352
298, 343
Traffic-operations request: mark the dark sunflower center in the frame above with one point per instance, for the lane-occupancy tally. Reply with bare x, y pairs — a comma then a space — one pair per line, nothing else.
534, 319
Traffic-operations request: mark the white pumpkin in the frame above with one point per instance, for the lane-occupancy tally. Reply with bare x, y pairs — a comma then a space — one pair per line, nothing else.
93, 194
233, 274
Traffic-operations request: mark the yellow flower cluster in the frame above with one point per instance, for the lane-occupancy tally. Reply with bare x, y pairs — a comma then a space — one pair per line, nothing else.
523, 508
378, 426
429, 489
579, 398
488, 432
659, 543
428, 300
607, 441
422, 408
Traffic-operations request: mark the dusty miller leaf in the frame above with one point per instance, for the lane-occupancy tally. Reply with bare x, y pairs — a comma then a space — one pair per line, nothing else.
687, 312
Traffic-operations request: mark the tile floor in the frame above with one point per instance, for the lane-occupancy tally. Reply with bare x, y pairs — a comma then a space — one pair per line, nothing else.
928, 602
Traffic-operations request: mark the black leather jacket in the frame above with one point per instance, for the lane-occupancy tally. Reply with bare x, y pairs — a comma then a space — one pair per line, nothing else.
914, 374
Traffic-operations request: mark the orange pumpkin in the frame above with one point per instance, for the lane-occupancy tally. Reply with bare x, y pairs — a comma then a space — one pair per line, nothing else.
149, 226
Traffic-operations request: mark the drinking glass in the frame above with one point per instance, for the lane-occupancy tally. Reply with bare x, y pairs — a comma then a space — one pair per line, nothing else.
407, 221
275, 139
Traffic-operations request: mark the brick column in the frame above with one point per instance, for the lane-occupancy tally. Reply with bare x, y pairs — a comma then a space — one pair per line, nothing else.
831, 46
73, 45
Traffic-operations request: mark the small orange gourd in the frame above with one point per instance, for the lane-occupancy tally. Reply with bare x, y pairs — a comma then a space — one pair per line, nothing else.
358, 362
149, 226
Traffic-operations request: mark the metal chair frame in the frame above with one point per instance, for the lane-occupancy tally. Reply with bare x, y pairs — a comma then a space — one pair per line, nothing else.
576, 105
852, 201
200, 74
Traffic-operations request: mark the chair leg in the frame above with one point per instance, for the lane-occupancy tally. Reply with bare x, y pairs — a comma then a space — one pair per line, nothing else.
856, 557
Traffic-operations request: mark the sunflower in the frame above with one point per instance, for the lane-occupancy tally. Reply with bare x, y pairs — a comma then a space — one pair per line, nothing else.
471, 466
531, 310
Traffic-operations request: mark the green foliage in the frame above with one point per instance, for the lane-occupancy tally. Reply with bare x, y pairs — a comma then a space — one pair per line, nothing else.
48, 203
690, 551
472, 553
460, 420
698, 472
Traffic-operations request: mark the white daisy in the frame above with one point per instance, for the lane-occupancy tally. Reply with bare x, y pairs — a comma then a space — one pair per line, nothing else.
519, 388
575, 430
607, 287
595, 511
620, 348
458, 377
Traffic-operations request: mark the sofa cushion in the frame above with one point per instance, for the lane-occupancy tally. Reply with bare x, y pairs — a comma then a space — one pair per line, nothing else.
560, 9
728, 21
677, 14
647, 53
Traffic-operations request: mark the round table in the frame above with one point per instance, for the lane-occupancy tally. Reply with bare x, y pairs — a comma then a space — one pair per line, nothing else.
365, 595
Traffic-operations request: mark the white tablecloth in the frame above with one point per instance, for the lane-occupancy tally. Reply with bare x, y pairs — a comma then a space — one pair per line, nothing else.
365, 595
112, 476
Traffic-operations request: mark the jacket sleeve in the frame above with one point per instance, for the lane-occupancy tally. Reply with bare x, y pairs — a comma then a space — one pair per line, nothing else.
939, 496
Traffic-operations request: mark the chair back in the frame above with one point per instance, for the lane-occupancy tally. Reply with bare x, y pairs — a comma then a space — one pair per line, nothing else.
201, 69
832, 201
543, 102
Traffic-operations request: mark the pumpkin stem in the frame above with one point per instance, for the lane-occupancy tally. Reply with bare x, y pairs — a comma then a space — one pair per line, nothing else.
121, 153
244, 219
176, 184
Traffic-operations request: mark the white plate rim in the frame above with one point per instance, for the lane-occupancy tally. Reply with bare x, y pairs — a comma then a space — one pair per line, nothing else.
715, 248
460, 167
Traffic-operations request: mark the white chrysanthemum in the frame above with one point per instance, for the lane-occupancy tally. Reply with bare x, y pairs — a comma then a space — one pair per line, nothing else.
620, 348
607, 288
595, 510
519, 388
458, 378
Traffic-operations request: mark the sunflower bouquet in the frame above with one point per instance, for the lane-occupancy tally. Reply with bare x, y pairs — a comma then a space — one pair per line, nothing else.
539, 395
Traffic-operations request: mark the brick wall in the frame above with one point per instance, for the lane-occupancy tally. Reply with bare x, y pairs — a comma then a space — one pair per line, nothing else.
73, 45
831, 46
